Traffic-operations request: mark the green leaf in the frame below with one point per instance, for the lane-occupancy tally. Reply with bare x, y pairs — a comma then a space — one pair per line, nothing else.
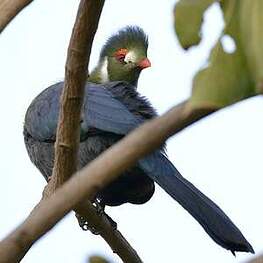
226, 80
251, 31
188, 17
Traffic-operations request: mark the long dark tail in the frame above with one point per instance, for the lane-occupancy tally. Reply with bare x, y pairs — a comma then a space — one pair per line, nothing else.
215, 222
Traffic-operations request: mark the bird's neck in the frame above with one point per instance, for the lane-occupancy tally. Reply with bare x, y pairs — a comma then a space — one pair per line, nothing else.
100, 73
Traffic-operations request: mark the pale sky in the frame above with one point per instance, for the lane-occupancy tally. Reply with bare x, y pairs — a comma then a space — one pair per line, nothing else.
221, 155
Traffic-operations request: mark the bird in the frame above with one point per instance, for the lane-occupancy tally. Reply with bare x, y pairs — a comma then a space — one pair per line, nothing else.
112, 108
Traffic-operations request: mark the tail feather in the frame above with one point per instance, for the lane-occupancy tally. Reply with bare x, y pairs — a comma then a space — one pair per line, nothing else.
215, 222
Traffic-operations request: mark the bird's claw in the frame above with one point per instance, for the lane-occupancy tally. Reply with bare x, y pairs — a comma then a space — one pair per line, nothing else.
100, 208
85, 226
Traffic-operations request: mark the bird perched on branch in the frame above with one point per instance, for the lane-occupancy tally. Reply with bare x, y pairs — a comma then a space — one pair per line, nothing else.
112, 108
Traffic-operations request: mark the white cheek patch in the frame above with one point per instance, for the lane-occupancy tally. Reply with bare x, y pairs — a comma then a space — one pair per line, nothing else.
130, 57
104, 71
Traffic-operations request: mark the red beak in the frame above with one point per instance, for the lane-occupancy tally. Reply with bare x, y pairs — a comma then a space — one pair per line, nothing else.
145, 63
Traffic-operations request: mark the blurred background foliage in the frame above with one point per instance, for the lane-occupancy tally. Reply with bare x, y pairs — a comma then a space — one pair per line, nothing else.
97, 259
230, 75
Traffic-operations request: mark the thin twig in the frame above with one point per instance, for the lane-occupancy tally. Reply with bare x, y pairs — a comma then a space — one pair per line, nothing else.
86, 182
9, 9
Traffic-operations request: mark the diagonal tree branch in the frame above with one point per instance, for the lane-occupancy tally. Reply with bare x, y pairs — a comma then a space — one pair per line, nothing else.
94, 177
9, 9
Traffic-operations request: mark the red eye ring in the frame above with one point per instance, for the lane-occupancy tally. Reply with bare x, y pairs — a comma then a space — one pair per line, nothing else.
120, 54
120, 58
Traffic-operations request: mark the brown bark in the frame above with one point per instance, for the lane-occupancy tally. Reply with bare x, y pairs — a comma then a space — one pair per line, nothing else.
258, 259
9, 9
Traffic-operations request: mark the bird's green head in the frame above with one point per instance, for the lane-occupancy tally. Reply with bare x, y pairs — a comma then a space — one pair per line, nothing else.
123, 57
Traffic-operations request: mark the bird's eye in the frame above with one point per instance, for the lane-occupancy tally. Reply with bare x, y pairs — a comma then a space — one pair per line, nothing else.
120, 58
121, 54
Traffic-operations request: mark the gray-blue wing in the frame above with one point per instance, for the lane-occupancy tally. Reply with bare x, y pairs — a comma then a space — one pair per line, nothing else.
100, 110
215, 222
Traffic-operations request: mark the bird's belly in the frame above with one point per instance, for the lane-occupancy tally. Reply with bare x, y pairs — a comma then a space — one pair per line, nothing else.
133, 186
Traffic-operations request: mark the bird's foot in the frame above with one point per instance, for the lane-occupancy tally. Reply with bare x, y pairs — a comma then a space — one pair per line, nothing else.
100, 208
85, 226
101, 211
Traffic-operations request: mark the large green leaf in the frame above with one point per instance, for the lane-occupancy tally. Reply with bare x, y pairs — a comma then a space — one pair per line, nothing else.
229, 77
223, 82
